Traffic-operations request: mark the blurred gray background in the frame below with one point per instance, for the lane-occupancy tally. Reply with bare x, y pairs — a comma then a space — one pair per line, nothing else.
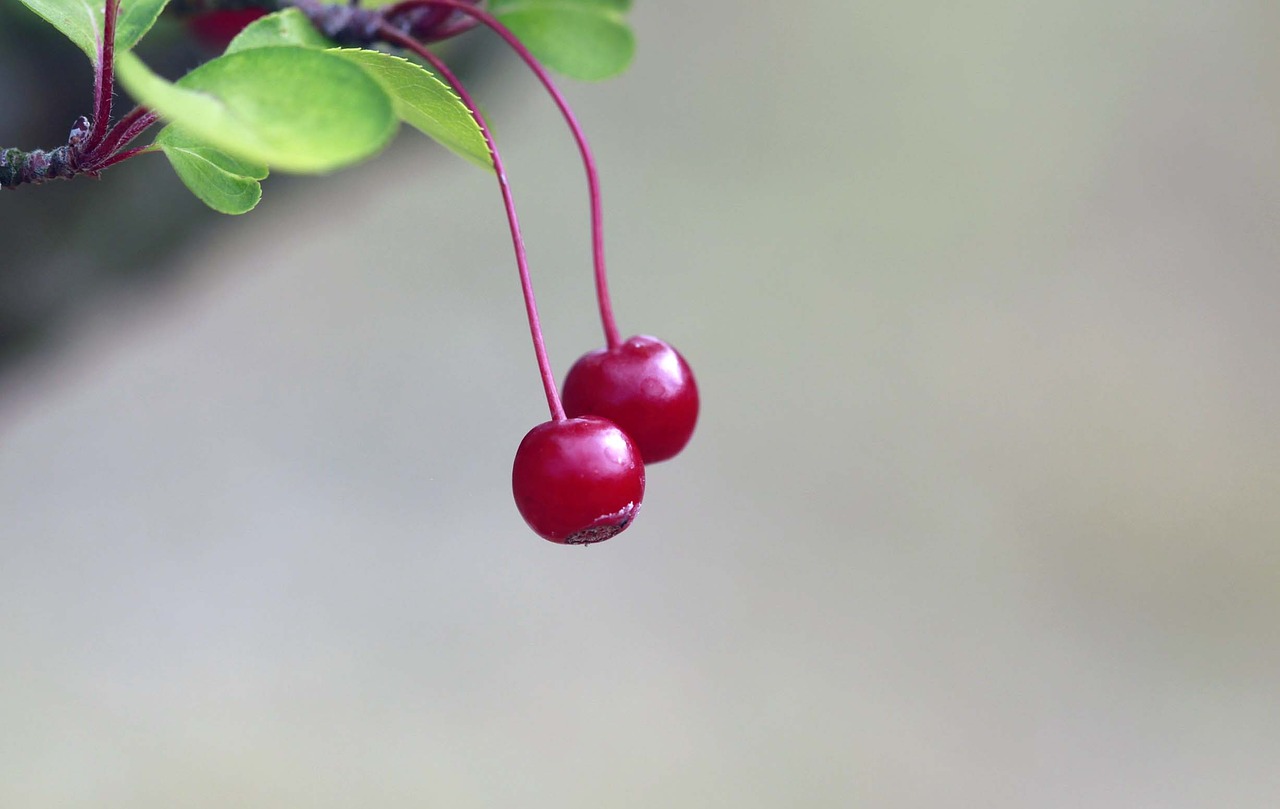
982, 510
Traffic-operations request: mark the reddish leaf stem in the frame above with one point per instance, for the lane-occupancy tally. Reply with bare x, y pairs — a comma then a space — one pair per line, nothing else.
121, 156
104, 75
125, 130
394, 37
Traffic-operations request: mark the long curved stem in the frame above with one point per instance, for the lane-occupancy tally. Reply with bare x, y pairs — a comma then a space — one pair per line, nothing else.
395, 37
611, 334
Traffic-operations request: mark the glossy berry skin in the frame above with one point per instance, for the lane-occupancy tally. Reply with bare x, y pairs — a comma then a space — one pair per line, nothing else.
645, 387
216, 29
577, 481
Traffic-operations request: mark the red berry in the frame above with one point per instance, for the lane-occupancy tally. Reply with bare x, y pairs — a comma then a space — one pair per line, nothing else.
577, 481
216, 29
645, 387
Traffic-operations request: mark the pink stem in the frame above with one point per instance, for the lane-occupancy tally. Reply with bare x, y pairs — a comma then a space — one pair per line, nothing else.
611, 335
395, 37
125, 130
120, 157
104, 84
452, 30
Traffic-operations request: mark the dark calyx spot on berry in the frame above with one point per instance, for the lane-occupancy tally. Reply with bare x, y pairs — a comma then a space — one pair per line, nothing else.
599, 533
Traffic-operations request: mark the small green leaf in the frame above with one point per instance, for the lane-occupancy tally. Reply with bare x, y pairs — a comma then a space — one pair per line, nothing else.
424, 102
583, 39
222, 182
81, 21
295, 109
288, 27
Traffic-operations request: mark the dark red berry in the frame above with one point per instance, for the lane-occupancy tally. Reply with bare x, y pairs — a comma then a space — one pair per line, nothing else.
645, 387
577, 481
216, 29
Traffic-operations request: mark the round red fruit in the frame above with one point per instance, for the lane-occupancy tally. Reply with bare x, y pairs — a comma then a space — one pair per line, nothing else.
577, 481
645, 387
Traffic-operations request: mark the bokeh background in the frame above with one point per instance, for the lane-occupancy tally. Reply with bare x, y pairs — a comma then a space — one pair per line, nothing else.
982, 511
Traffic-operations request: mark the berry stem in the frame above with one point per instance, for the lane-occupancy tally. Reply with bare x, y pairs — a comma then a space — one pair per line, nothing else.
394, 37
611, 334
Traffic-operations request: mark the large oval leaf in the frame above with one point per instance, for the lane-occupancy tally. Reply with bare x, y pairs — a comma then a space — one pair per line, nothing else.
417, 96
295, 109
498, 6
81, 21
288, 27
583, 39
425, 103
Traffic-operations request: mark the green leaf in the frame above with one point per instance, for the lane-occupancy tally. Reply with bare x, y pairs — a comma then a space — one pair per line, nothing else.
288, 27
424, 102
583, 39
620, 6
222, 182
81, 21
417, 96
295, 109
